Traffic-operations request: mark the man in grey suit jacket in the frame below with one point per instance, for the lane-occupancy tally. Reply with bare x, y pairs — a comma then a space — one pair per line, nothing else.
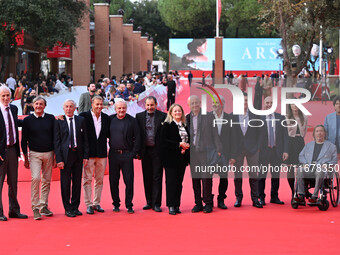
332, 125
85, 100
315, 156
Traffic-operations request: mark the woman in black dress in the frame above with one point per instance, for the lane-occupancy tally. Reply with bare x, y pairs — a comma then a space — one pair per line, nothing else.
296, 140
175, 155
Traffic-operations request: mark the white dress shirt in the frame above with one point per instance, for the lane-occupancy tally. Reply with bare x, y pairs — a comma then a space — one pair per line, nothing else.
5, 116
219, 124
97, 123
270, 123
74, 129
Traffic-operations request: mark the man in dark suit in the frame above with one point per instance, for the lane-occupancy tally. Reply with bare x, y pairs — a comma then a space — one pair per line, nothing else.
97, 124
245, 141
72, 152
204, 139
171, 84
149, 123
223, 131
273, 151
9, 153
124, 146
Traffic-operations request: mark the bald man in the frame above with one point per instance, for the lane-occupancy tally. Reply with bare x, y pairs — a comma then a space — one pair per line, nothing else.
203, 139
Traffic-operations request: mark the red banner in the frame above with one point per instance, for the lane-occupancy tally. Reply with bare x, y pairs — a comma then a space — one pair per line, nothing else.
59, 52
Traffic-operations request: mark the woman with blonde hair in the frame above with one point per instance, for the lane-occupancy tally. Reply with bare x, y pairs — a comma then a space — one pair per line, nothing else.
175, 155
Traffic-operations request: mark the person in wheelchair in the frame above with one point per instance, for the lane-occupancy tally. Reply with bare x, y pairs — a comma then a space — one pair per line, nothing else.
315, 158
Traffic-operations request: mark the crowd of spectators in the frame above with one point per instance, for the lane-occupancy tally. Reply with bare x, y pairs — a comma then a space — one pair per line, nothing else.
26, 90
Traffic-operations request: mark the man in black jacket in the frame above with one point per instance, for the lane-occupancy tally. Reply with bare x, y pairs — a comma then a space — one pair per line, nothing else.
273, 151
223, 131
204, 139
97, 124
245, 140
9, 153
171, 84
124, 146
72, 152
149, 122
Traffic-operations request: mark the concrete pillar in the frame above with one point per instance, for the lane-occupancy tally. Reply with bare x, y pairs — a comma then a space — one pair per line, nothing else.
116, 25
143, 56
136, 51
219, 60
149, 55
101, 39
127, 48
81, 55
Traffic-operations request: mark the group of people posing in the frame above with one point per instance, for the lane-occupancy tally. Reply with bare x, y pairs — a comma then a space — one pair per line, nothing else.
77, 145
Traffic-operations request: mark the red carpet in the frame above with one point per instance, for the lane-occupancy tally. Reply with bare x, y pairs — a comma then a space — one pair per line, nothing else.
275, 229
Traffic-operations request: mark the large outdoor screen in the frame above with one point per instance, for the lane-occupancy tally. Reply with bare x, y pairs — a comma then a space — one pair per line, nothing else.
238, 54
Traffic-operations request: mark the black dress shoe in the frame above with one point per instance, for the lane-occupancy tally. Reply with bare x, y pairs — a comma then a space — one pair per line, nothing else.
177, 209
172, 210
89, 210
197, 208
257, 204
116, 209
70, 214
130, 210
3, 218
98, 208
78, 213
156, 208
222, 205
238, 203
207, 209
276, 201
262, 201
17, 215
147, 207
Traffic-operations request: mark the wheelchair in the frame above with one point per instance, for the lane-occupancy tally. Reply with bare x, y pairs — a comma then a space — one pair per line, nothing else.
330, 185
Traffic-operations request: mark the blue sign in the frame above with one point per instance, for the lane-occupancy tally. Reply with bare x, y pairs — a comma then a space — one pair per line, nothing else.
251, 54
238, 54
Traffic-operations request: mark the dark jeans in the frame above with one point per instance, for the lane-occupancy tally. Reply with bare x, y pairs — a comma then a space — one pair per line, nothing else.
72, 172
122, 162
152, 176
171, 100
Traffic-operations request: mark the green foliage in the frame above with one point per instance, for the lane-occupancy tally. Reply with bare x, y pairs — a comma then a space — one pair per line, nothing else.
115, 5
146, 15
243, 19
300, 22
189, 16
46, 21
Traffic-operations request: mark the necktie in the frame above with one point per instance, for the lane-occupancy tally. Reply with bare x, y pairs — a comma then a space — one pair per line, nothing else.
71, 133
10, 128
271, 133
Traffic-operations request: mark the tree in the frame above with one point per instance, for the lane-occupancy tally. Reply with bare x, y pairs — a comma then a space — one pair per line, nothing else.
115, 5
46, 21
299, 22
242, 19
195, 18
